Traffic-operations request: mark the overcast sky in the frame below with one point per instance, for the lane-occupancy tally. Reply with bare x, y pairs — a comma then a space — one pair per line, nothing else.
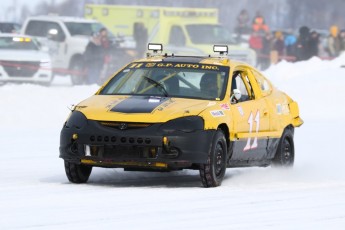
8, 14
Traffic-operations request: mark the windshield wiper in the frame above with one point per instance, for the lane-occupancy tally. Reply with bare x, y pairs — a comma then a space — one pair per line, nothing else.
157, 85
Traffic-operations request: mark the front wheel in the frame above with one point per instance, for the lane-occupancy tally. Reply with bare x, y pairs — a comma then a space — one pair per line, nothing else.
77, 173
213, 171
285, 155
77, 76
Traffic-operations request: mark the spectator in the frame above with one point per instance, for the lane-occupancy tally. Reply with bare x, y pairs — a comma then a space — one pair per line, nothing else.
93, 59
290, 44
255, 42
314, 43
105, 43
278, 47
242, 24
140, 36
264, 59
342, 40
333, 42
259, 23
303, 44
103, 33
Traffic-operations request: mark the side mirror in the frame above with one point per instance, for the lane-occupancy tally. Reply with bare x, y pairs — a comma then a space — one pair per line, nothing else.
52, 34
236, 95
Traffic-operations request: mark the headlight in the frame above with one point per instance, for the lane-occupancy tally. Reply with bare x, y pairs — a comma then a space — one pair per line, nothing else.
76, 120
184, 124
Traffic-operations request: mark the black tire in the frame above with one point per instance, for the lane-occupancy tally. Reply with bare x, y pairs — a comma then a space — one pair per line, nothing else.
213, 171
285, 155
77, 66
77, 173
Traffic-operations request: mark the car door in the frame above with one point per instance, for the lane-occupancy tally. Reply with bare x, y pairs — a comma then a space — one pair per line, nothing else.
50, 34
250, 118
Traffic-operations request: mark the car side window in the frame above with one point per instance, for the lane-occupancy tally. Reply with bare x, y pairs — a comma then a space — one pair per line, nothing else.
177, 36
240, 81
264, 85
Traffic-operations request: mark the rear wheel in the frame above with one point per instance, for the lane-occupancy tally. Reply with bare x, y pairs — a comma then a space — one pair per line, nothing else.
285, 155
77, 173
213, 171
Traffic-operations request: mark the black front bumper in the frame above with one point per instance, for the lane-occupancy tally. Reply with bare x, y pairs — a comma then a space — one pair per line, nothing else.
90, 142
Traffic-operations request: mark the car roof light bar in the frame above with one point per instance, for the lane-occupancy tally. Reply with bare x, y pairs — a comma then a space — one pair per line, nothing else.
221, 49
155, 47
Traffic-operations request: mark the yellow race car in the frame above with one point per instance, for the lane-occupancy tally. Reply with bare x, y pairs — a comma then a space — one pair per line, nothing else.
167, 112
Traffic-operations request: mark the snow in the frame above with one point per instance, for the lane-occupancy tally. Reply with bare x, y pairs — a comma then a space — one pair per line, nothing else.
35, 193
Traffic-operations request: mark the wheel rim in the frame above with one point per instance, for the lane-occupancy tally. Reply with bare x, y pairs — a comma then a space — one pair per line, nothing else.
287, 156
219, 161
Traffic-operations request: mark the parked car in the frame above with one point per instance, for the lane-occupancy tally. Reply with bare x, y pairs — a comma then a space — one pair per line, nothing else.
168, 112
9, 27
23, 60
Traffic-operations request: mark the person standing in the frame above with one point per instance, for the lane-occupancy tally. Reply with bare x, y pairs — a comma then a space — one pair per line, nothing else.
290, 44
342, 40
278, 47
140, 35
264, 58
314, 44
259, 23
333, 42
303, 44
105, 43
255, 42
242, 24
94, 59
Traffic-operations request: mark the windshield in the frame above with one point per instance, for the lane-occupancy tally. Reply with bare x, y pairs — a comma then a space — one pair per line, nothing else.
83, 28
209, 34
185, 80
18, 43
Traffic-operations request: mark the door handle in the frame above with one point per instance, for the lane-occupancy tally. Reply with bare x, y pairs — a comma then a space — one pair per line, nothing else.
265, 112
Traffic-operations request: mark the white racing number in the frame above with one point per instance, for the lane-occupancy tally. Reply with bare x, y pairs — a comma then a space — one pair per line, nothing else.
251, 120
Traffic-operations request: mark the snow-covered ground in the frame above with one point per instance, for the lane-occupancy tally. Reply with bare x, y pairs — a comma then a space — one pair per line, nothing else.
35, 193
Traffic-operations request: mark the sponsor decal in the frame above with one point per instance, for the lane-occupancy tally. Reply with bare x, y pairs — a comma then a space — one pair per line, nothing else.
240, 110
217, 113
225, 106
137, 65
285, 109
279, 108
154, 100
150, 65
211, 103
165, 104
123, 126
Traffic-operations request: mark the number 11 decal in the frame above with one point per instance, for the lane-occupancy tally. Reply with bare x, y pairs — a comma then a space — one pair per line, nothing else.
251, 120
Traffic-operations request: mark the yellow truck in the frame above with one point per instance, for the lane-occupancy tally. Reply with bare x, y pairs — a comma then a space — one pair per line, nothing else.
183, 31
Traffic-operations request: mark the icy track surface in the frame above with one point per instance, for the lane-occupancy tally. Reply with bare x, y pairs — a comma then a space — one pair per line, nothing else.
35, 193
